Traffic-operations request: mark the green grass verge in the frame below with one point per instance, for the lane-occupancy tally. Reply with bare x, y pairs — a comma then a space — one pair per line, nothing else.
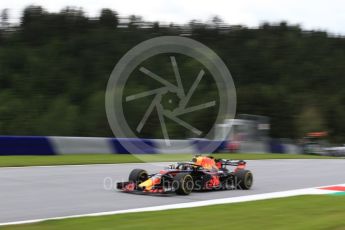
127, 158
301, 212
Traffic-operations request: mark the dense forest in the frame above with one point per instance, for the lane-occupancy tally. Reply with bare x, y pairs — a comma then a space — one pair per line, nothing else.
54, 69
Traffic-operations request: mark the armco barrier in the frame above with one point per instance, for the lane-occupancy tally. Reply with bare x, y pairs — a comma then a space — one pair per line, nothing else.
276, 146
39, 145
54, 145
176, 146
85, 145
143, 146
23, 145
254, 147
206, 146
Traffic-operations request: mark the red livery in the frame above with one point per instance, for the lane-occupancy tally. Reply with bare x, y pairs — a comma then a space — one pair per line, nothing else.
203, 173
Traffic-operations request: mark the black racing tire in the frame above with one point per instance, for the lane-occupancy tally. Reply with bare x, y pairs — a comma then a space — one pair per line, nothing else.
138, 175
243, 179
183, 184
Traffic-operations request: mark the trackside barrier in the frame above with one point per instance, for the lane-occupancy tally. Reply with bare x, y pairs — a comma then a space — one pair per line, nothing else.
276, 146
142, 146
54, 145
85, 145
18, 145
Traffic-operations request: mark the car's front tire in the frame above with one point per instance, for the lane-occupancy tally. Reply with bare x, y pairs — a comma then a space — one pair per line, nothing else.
138, 175
183, 184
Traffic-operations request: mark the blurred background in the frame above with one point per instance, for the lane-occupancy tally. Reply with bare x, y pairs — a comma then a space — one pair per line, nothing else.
54, 67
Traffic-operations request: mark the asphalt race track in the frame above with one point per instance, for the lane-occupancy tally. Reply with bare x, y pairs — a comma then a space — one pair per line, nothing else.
44, 192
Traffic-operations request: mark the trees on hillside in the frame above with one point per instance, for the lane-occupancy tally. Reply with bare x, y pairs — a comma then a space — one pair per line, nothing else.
54, 69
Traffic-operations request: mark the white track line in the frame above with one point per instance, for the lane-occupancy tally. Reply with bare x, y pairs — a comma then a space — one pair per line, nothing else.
264, 196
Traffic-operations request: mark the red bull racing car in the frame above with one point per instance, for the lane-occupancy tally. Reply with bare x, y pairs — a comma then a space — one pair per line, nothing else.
203, 173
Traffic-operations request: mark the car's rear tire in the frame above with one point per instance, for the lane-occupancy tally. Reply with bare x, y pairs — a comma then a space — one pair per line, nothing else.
138, 175
183, 184
243, 179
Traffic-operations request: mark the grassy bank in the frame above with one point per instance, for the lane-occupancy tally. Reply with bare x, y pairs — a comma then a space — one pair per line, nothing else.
127, 158
302, 212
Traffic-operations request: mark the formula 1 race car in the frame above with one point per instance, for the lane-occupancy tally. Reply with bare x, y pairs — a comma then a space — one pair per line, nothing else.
185, 177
